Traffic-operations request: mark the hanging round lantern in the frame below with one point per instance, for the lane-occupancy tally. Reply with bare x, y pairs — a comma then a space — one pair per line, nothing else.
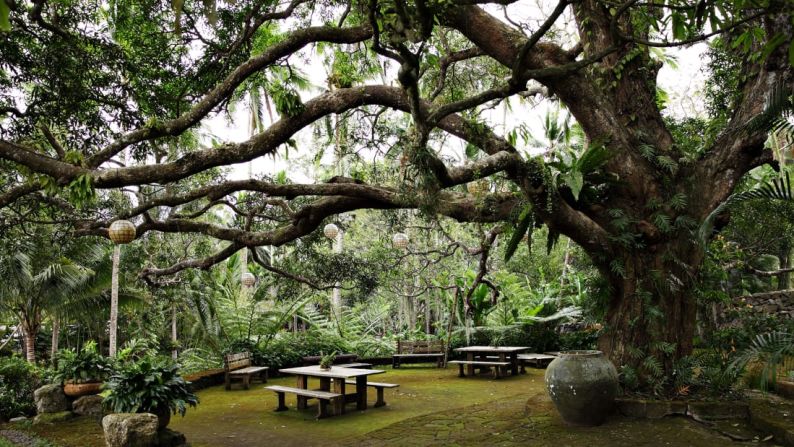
121, 232
248, 279
331, 231
400, 240
478, 187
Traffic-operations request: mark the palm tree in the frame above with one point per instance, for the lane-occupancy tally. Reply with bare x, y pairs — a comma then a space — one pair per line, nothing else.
30, 288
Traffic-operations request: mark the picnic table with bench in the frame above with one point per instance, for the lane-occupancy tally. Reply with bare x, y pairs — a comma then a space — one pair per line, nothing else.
498, 357
420, 351
338, 377
239, 366
536, 360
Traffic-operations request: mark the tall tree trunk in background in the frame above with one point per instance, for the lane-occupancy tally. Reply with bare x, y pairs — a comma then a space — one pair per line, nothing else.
114, 300
56, 332
784, 279
174, 352
29, 334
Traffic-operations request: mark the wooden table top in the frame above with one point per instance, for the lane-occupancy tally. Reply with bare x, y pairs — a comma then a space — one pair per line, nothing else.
493, 349
336, 372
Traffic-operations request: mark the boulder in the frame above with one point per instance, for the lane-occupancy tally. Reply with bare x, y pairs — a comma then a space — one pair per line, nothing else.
88, 405
52, 418
18, 419
50, 399
130, 429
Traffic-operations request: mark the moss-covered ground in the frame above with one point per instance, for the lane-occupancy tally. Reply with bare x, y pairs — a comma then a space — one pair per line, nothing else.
431, 407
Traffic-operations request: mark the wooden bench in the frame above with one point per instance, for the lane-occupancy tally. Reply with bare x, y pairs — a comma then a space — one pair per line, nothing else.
238, 366
536, 360
419, 352
323, 397
342, 358
379, 386
500, 368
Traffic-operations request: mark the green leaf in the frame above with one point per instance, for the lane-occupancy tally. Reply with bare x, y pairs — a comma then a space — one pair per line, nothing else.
575, 181
5, 23
524, 225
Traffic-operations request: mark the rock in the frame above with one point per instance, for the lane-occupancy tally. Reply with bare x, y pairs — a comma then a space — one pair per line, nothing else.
716, 410
50, 399
650, 409
52, 418
88, 405
171, 438
130, 429
18, 419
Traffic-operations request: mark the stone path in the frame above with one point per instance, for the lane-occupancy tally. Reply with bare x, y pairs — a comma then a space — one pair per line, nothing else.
531, 420
21, 438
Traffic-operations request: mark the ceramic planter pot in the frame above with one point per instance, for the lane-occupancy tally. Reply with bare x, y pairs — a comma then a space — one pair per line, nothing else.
583, 386
163, 417
81, 389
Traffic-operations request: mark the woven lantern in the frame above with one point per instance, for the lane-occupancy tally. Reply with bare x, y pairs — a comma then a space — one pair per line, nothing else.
248, 279
122, 232
400, 240
331, 231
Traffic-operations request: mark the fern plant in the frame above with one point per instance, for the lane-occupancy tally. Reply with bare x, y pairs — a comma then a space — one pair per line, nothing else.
770, 353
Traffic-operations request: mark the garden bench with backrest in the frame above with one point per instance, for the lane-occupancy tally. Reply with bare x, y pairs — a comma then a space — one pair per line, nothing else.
419, 351
239, 366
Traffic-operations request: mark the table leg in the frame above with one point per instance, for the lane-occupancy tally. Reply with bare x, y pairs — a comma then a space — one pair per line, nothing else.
303, 383
361, 392
339, 404
514, 363
470, 367
325, 384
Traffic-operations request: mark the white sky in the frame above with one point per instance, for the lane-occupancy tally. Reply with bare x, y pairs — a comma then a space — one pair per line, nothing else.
683, 85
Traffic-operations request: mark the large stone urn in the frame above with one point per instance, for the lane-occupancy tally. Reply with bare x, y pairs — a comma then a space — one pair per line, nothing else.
583, 386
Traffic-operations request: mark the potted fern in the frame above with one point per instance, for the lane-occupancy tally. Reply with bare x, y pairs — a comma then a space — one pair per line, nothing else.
150, 385
82, 372
327, 360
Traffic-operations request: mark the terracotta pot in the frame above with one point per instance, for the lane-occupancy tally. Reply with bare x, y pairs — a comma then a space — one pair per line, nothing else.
81, 389
583, 386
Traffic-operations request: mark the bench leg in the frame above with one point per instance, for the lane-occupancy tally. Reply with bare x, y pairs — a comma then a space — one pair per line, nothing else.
395, 362
460, 373
281, 404
380, 402
322, 408
263, 376
523, 367
247, 381
339, 403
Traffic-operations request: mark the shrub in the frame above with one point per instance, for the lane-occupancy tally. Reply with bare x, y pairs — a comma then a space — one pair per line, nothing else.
18, 380
84, 366
149, 385
579, 340
288, 349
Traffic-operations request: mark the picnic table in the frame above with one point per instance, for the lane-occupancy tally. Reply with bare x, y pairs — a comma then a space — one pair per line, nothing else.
338, 376
505, 356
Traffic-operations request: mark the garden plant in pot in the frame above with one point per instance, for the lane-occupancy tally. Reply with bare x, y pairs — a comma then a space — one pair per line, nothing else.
149, 385
327, 360
83, 372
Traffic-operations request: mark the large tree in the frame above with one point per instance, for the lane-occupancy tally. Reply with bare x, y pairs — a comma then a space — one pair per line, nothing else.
107, 97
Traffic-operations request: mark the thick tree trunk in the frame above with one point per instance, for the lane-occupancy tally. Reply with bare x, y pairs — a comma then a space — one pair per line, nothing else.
652, 312
29, 335
784, 278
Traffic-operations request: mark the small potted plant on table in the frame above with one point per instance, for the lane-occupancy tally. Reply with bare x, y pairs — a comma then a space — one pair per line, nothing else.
327, 360
150, 385
82, 372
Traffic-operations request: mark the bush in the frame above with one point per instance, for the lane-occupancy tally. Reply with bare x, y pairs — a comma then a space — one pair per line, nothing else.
579, 340
18, 380
539, 337
288, 349
149, 385
84, 366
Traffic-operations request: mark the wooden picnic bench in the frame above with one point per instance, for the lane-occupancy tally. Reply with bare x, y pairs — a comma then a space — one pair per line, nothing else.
419, 351
323, 397
379, 387
356, 365
499, 368
238, 366
536, 360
